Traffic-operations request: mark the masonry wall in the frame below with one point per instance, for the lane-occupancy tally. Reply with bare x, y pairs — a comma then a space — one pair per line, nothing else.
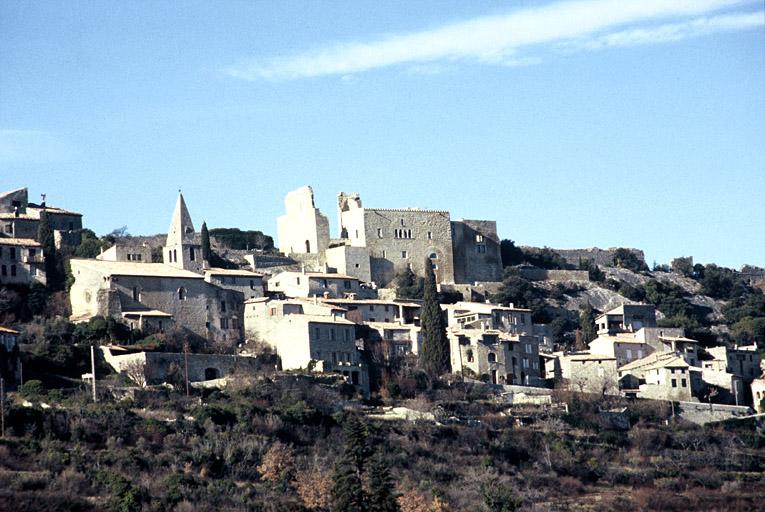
428, 234
350, 260
302, 229
16, 259
476, 251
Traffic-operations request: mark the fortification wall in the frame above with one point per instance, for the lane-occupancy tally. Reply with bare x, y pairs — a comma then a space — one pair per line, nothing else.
476, 251
541, 274
594, 254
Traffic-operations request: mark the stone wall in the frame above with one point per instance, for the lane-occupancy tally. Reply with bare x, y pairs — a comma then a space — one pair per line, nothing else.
541, 274
303, 228
476, 251
156, 365
596, 255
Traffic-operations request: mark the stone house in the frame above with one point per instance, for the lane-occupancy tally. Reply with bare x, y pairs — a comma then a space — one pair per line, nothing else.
21, 261
246, 282
660, 376
124, 251
307, 334
399, 339
496, 356
585, 372
625, 347
151, 368
626, 318
160, 296
315, 284
742, 361
480, 315
21, 219
758, 395
379, 310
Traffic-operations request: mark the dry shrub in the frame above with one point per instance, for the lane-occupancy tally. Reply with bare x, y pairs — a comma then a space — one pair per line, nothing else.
314, 486
414, 501
278, 463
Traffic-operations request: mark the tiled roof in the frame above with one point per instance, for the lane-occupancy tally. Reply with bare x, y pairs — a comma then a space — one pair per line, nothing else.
22, 242
128, 268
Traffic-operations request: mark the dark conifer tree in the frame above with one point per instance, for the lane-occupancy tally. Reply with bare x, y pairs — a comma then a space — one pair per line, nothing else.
206, 249
435, 358
47, 241
348, 485
382, 495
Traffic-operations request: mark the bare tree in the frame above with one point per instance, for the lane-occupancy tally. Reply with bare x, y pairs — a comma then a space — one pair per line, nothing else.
135, 369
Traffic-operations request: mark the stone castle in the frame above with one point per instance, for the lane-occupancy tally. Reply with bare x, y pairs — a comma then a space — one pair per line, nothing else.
377, 243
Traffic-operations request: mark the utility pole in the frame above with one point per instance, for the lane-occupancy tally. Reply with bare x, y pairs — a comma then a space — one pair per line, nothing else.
186, 364
93, 371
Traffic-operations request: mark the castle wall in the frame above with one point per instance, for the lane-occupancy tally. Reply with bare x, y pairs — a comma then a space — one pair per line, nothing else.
398, 239
350, 260
476, 251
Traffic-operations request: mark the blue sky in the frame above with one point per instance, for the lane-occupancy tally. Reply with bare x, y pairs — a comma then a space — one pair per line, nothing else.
573, 124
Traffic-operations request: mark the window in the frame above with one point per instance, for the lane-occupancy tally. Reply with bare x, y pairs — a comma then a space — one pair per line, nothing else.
252, 284
4, 270
32, 255
13, 270
136, 294
682, 382
332, 334
224, 323
346, 335
191, 254
181, 293
479, 238
12, 253
404, 254
316, 333
527, 347
223, 306
9, 228
535, 365
347, 285
525, 363
492, 357
433, 256
379, 233
402, 222
297, 279
371, 307
235, 323
430, 235
629, 355
480, 249
674, 383
324, 283
384, 253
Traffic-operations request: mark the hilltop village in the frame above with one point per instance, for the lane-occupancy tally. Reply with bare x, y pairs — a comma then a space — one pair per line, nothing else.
402, 301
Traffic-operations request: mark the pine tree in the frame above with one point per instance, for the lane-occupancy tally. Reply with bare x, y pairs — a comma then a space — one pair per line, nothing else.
348, 486
382, 495
435, 357
206, 249
47, 241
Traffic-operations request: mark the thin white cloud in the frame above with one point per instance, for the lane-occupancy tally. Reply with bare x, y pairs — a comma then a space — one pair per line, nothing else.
670, 32
497, 39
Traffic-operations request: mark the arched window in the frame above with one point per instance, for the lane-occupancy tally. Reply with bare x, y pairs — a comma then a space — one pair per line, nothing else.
307, 246
433, 256
492, 357
181, 293
175, 256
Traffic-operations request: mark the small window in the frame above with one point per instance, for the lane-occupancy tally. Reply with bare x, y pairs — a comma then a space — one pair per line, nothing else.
404, 254
136, 294
297, 279
181, 293
347, 285
682, 382
384, 253
379, 233
433, 256
430, 235
402, 222
480, 249
674, 383
223, 306
13, 253
32, 255
492, 357
4, 270
479, 238
192, 256
224, 323
324, 283
13, 270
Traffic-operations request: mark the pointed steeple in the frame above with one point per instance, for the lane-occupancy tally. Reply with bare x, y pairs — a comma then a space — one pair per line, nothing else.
181, 228
182, 249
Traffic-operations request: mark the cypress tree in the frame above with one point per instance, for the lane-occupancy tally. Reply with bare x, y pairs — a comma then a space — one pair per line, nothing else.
47, 241
206, 250
587, 323
382, 496
348, 488
435, 358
